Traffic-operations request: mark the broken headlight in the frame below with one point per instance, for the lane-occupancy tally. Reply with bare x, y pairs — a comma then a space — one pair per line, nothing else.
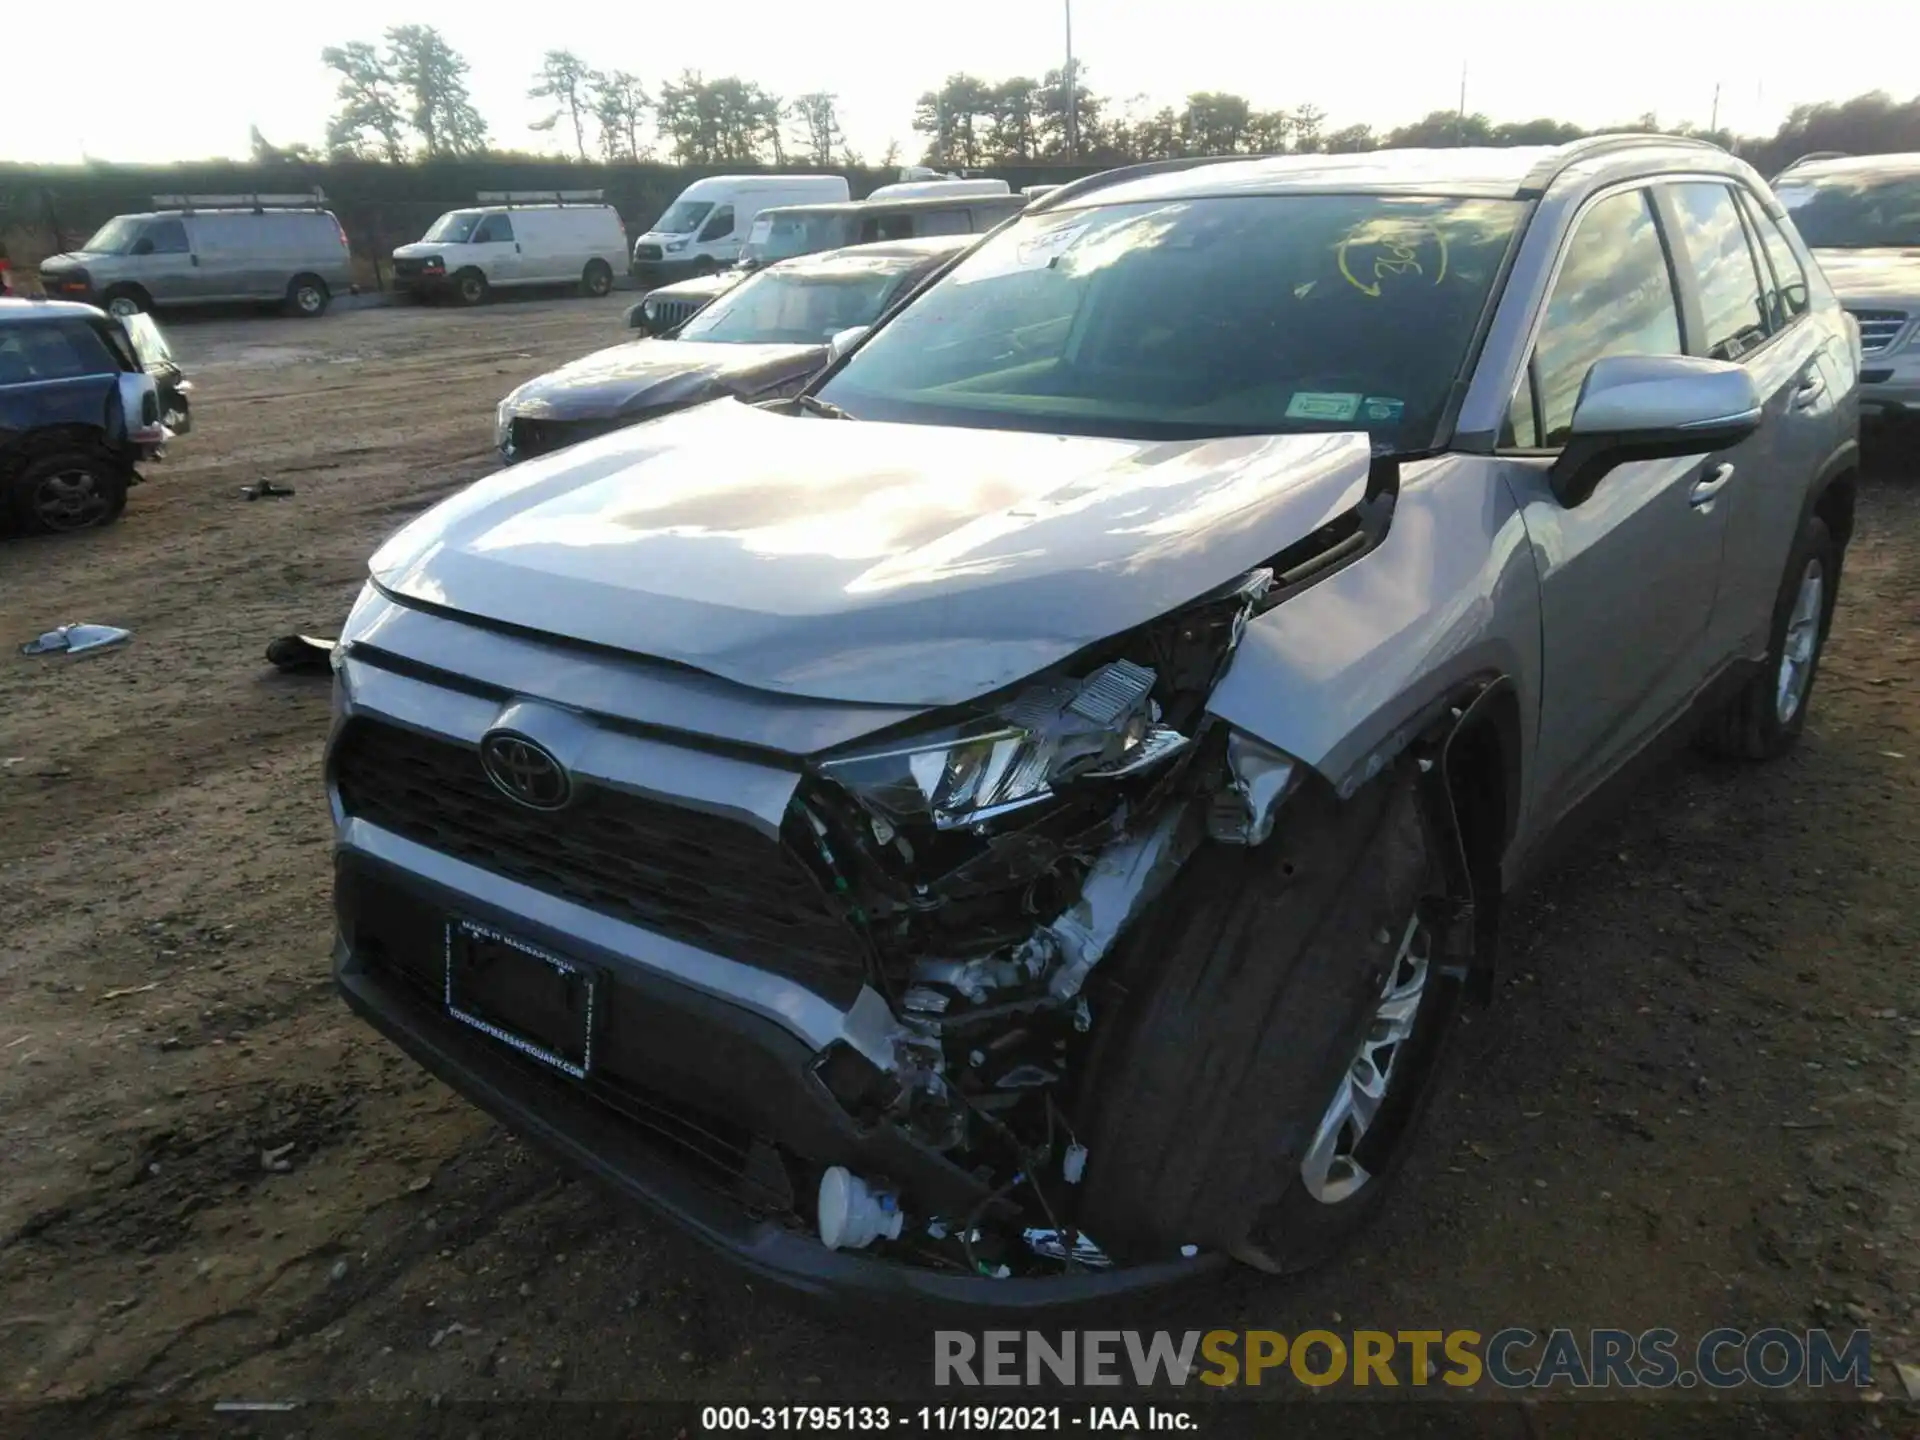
1102, 726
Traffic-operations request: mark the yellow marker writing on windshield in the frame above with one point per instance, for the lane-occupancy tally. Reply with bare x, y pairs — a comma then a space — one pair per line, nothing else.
1400, 258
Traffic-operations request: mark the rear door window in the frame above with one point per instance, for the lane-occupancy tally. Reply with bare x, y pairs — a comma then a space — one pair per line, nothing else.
1614, 296
1735, 313
958, 221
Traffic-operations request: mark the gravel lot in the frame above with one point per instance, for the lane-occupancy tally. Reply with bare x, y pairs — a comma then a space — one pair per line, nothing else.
1696, 1103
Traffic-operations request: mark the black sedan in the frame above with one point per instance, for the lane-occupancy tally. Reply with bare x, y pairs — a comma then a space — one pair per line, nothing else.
761, 340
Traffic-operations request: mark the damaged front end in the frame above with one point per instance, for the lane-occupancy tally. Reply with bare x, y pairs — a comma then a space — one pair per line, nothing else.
989, 868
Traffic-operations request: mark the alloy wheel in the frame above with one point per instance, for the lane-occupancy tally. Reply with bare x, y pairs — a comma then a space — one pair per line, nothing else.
1330, 1169
1801, 643
69, 499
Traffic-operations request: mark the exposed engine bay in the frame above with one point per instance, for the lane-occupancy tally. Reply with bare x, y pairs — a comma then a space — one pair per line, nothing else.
991, 867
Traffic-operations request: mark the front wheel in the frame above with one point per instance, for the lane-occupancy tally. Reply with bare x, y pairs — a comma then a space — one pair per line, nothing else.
597, 280
1766, 718
1286, 1011
308, 296
470, 287
68, 490
127, 301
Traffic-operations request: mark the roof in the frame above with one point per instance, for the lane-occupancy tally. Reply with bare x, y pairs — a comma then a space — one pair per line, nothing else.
23, 307
880, 255
1494, 172
1884, 165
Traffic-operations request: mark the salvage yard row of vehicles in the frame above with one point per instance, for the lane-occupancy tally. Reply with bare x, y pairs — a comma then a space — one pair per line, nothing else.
1015, 817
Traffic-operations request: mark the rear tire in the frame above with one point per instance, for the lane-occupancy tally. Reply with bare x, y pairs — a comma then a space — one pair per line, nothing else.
68, 490
470, 287
308, 297
1766, 718
596, 280
1277, 992
125, 300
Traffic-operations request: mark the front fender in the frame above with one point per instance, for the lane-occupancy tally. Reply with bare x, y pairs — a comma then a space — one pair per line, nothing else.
1343, 675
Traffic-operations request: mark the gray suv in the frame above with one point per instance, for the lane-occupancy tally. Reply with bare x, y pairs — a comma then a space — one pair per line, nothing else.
1019, 821
1861, 215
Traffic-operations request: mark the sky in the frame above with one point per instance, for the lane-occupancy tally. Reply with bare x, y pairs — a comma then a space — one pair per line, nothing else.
216, 67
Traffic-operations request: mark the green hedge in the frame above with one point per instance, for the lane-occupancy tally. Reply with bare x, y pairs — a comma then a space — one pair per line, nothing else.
44, 209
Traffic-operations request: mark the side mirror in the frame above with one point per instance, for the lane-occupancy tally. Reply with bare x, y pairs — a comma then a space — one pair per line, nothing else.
843, 341
1652, 407
142, 246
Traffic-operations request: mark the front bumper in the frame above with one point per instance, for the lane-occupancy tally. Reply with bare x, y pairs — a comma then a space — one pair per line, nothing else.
632, 1127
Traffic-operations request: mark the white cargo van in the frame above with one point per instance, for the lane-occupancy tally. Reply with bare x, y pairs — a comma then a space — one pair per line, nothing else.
702, 231
516, 238
924, 189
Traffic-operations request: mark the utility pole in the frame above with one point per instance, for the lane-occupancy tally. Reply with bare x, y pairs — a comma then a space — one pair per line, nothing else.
1463, 90
1073, 93
1713, 125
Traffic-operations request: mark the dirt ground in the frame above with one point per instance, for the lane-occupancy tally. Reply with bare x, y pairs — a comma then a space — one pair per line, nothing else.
1696, 1102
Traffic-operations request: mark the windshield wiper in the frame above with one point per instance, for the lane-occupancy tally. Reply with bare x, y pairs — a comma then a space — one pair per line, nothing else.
826, 410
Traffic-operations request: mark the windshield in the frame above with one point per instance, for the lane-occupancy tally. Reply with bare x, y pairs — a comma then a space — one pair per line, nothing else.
1191, 318
781, 237
453, 228
1860, 211
793, 308
116, 237
683, 217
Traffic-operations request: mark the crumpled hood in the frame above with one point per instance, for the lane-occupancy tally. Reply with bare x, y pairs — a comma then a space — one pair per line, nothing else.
421, 249
1874, 278
859, 561
70, 260
644, 375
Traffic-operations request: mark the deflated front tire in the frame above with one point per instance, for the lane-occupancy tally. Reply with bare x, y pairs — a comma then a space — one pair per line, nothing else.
1284, 1011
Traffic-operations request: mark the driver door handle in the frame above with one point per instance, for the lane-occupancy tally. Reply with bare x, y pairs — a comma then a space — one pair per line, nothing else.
1709, 486
1807, 391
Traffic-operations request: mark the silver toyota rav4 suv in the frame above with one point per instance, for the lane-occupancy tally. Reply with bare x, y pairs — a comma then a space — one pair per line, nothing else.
1861, 215
1019, 822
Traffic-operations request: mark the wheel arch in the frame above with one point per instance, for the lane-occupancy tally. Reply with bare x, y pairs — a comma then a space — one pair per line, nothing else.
1833, 495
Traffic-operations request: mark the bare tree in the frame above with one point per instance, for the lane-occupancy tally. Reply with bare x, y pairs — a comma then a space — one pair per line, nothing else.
563, 79
619, 105
434, 77
818, 115
369, 119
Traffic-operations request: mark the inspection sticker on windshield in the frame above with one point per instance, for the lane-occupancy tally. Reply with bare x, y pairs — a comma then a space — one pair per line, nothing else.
1322, 405
1382, 408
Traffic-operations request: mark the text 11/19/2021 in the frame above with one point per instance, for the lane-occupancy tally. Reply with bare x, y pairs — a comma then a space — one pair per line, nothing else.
942, 1419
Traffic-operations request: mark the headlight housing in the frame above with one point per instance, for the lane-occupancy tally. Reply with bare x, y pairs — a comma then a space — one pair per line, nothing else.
674, 247
502, 423
1102, 727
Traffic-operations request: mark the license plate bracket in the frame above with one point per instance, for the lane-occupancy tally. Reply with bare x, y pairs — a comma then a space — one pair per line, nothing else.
538, 1003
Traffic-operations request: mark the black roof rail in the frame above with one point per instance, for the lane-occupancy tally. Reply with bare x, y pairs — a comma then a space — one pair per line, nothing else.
1074, 189
1535, 182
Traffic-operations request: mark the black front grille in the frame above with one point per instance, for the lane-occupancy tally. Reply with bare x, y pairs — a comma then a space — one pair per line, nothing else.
647, 252
528, 438
408, 269
665, 314
709, 882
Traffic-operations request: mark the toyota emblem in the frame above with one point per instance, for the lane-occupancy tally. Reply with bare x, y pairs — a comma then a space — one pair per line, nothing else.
524, 771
